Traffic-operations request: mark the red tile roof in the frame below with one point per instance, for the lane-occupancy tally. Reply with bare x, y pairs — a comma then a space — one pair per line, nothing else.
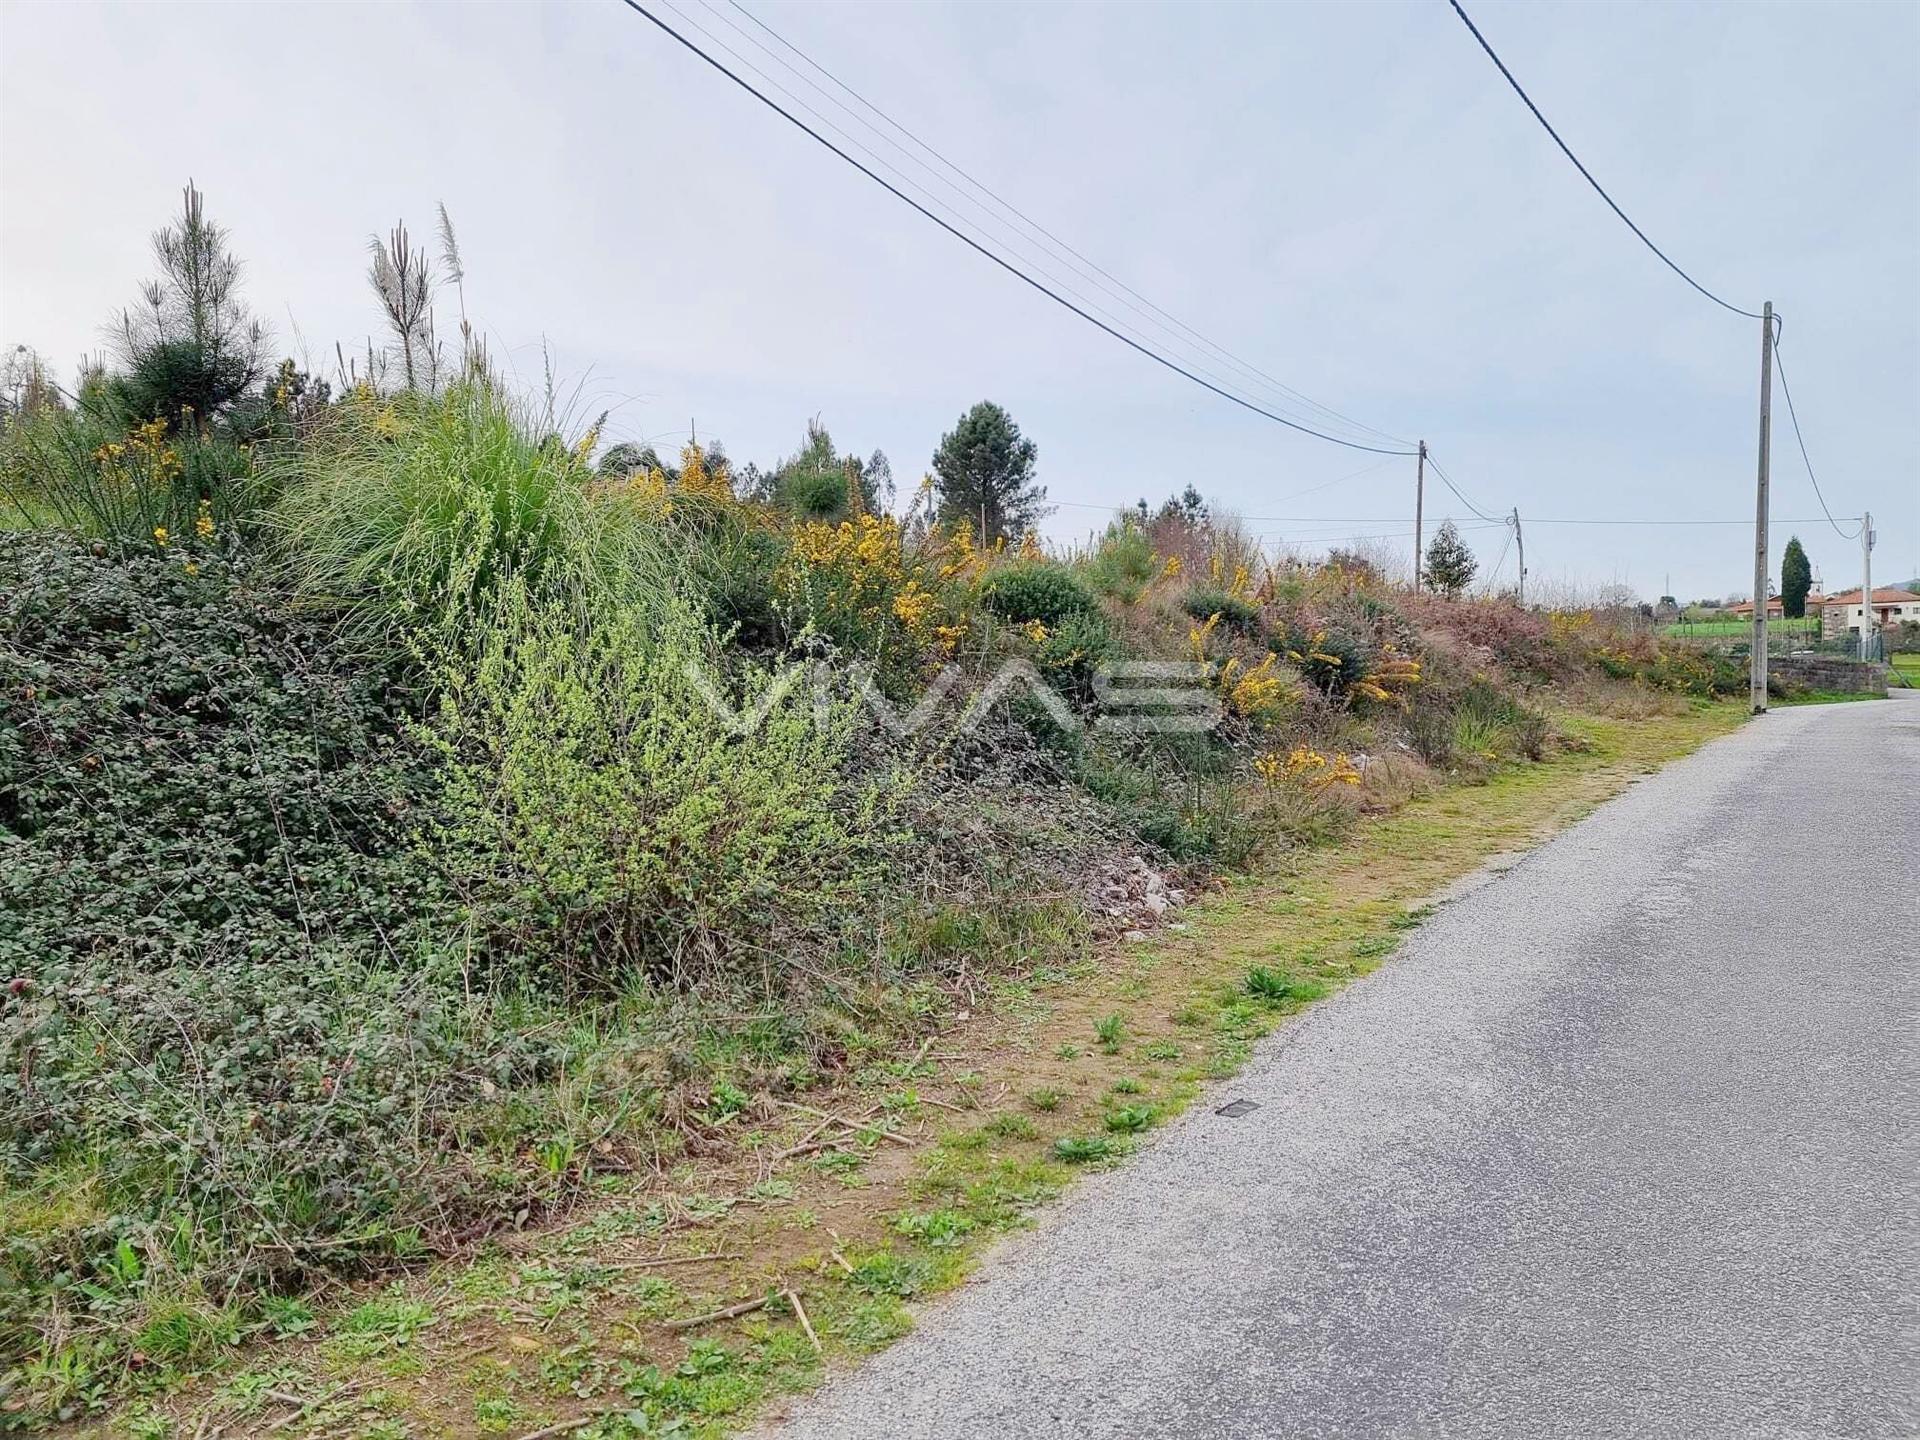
1882, 595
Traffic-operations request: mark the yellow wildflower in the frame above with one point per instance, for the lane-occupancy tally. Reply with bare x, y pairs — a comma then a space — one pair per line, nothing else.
912, 606
203, 521
708, 480
1036, 632
160, 536
1256, 693
1198, 635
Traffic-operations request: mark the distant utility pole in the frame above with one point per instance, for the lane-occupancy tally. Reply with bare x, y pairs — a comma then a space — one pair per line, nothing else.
1757, 677
1419, 503
1520, 541
1866, 583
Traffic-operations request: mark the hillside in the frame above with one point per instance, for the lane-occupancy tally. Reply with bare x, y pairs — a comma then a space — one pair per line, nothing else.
424, 821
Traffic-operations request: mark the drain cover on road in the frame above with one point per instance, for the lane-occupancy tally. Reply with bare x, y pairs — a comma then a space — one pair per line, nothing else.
1235, 1109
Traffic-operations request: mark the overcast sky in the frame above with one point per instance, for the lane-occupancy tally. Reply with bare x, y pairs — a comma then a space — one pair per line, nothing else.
1346, 196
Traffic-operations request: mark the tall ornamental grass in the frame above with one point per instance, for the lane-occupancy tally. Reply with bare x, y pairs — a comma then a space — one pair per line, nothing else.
412, 510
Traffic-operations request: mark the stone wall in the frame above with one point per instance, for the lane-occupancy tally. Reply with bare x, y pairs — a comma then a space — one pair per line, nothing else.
1830, 672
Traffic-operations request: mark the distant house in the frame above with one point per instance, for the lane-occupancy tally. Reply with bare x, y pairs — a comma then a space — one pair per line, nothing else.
1776, 609
1843, 612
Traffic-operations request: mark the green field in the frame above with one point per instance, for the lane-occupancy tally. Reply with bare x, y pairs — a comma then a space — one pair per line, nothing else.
1907, 667
1703, 629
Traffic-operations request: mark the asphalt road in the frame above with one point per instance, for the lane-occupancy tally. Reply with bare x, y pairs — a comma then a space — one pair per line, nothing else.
1622, 1143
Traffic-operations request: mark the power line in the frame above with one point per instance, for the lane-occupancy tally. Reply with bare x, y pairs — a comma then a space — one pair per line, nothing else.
1341, 536
1003, 263
1743, 520
1264, 519
1781, 369
1494, 574
1598, 188
1011, 238
1219, 351
1435, 466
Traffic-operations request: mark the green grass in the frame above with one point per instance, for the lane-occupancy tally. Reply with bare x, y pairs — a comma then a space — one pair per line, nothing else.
1825, 697
1907, 668
1701, 629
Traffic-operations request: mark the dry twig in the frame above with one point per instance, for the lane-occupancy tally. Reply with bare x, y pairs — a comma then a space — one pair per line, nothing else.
745, 1307
666, 1260
800, 1314
563, 1428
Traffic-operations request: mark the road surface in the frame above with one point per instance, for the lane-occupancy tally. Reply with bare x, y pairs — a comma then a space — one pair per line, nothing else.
1622, 1143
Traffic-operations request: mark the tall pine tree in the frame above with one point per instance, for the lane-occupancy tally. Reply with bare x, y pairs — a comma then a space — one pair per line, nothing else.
983, 476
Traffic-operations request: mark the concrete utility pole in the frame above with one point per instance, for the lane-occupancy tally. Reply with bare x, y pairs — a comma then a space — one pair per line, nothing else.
1419, 503
1520, 542
1866, 583
1757, 676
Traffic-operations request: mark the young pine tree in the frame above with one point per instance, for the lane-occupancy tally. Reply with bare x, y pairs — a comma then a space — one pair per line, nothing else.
983, 476
1450, 564
190, 347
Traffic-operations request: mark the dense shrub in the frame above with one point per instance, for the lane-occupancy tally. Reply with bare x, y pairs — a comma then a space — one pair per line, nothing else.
1471, 721
1519, 640
1331, 656
1124, 564
230, 1043
187, 768
610, 812
1667, 665
860, 588
1236, 613
1042, 590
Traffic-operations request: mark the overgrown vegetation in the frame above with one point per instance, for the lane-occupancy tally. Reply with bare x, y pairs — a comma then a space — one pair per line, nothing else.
417, 810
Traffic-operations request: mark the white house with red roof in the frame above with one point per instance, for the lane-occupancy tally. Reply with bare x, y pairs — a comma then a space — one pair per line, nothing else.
1844, 612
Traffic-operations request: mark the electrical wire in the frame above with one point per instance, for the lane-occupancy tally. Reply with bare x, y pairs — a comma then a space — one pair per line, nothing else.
1780, 366
1494, 573
1092, 269
1010, 238
1003, 263
1743, 520
1588, 174
1434, 465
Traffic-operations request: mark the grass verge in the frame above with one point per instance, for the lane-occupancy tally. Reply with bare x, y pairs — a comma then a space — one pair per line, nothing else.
1824, 697
690, 1300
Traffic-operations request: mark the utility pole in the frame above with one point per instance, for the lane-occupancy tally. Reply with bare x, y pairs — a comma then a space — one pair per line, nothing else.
1419, 503
1866, 584
1520, 541
1757, 677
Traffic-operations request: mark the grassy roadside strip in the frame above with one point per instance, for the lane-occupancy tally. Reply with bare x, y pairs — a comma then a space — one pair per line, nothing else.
690, 1301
